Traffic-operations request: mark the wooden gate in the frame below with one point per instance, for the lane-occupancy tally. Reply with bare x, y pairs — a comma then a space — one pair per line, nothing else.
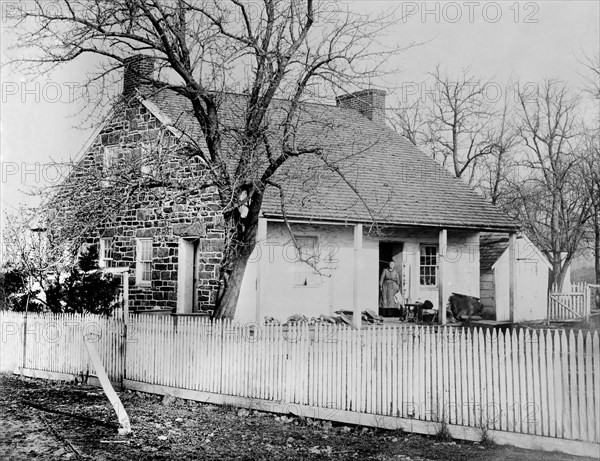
571, 306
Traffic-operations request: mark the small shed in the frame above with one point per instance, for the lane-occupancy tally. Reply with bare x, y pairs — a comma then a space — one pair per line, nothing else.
531, 279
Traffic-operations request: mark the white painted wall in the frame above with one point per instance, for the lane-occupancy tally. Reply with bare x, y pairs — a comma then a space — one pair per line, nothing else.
280, 298
531, 288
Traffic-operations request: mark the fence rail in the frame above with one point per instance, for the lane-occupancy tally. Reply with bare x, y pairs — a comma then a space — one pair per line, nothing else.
539, 382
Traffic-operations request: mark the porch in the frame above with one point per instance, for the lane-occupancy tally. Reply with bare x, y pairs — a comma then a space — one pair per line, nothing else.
432, 262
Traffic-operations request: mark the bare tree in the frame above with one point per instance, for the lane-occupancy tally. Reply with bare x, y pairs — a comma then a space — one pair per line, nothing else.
452, 123
549, 199
495, 170
267, 50
590, 164
589, 171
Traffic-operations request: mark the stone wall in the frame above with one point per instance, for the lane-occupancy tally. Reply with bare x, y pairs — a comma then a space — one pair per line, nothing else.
141, 208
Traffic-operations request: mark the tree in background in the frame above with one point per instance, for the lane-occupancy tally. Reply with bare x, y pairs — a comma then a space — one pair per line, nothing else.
36, 277
295, 50
527, 152
453, 123
590, 163
548, 197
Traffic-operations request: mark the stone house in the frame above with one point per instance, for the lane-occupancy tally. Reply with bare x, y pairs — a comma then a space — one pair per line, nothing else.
392, 202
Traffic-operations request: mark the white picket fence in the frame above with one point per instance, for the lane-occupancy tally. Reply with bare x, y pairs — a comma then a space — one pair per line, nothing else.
573, 303
537, 382
54, 342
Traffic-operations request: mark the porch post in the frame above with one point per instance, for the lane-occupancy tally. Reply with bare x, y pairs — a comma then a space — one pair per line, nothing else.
511, 276
442, 246
263, 258
358, 244
126, 296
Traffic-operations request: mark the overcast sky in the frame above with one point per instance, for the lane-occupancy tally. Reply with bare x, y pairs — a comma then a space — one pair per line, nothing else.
528, 41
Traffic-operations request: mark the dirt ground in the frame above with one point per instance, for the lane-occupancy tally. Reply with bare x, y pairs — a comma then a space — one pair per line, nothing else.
59, 421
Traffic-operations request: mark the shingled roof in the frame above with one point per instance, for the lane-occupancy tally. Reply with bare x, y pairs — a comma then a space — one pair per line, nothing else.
491, 246
366, 173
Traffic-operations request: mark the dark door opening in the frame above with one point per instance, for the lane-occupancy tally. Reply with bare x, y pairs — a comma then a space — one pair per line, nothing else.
389, 251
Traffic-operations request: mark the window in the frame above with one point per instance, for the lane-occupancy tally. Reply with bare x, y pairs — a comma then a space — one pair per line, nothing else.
307, 256
143, 267
105, 253
428, 265
110, 160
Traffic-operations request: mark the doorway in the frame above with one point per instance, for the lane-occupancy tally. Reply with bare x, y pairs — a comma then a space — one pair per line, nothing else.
390, 251
187, 275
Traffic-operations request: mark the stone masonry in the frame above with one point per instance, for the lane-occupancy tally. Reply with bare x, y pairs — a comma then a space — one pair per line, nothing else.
158, 213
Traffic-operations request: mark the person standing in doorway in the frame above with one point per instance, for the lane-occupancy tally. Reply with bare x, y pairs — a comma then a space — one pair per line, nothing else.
389, 284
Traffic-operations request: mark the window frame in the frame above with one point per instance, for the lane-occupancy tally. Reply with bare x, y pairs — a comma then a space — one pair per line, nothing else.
429, 262
105, 247
140, 263
111, 155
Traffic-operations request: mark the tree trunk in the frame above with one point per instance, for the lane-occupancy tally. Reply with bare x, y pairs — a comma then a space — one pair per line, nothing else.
236, 255
559, 270
231, 286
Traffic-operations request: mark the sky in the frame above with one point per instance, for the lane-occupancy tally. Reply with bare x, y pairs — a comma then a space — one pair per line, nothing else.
523, 40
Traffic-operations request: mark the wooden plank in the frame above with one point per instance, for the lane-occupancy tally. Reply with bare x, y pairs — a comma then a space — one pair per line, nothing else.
537, 393
470, 394
529, 405
592, 419
566, 401
489, 382
497, 383
429, 354
583, 416
464, 395
596, 366
356, 368
477, 402
502, 372
543, 382
550, 379
410, 365
522, 427
122, 415
420, 373
558, 384
379, 378
345, 370
573, 386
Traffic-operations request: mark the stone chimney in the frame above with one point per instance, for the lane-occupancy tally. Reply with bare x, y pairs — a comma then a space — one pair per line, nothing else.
136, 72
370, 103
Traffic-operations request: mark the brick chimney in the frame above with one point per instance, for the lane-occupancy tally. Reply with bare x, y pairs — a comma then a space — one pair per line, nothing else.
136, 72
370, 103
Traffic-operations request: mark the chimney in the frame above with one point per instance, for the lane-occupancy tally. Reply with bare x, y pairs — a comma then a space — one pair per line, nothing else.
136, 72
370, 103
